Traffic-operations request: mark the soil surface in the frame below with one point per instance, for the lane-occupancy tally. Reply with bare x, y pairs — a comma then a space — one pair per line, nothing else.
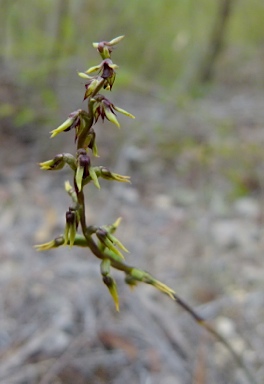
192, 216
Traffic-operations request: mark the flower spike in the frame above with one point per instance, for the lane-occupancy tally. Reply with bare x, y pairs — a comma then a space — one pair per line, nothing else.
100, 240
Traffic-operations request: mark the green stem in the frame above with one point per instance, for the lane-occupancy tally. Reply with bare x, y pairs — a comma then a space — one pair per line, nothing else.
91, 243
85, 131
89, 121
81, 206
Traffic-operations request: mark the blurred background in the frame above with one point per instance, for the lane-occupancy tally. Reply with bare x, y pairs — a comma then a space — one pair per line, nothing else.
192, 73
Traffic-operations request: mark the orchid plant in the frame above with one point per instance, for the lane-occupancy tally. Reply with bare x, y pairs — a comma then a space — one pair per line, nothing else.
101, 241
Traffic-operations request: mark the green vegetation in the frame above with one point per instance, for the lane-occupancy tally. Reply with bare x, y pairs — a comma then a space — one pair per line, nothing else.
177, 33
221, 160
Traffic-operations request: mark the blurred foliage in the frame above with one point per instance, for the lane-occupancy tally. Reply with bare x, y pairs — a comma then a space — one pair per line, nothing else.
203, 161
169, 34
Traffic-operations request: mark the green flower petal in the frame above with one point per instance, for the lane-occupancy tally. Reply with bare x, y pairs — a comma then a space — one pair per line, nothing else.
120, 110
62, 127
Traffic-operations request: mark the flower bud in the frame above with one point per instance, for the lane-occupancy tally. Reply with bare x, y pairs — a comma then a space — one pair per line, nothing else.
112, 287
106, 70
51, 244
70, 227
77, 120
103, 48
84, 161
70, 217
110, 43
109, 281
105, 109
106, 239
105, 267
53, 165
106, 174
59, 161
